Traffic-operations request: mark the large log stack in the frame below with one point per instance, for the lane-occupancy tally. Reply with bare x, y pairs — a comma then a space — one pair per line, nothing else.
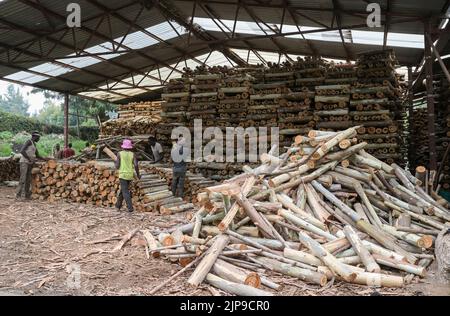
9, 168
194, 182
295, 96
176, 96
134, 119
375, 104
204, 98
233, 97
97, 183
332, 107
295, 115
419, 150
367, 223
309, 72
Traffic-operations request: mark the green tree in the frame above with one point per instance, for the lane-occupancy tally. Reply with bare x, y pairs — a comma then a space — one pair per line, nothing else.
89, 110
14, 102
51, 113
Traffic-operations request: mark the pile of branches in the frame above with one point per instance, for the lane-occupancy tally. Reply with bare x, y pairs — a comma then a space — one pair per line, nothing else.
325, 209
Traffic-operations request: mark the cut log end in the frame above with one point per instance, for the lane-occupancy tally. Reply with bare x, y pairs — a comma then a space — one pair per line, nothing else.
253, 279
425, 241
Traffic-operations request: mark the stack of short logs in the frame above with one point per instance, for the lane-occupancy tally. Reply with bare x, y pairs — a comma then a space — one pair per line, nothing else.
332, 107
204, 98
9, 168
194, 182
97, 183
312, 217
177, 99
375, 104
134, 119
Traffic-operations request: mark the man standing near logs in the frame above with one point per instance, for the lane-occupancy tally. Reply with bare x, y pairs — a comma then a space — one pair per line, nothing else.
68, 152
126, 161
179, 166
29, 156
154, 149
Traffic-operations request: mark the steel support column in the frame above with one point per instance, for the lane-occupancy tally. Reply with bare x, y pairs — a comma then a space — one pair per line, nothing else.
66, 120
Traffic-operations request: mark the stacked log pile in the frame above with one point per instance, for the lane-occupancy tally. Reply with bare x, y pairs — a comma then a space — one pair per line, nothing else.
134, 119
194, 182
332, 107
421, 138
342, 73
309, 72
367, 223
176, 96
204, 98
295, 115
374, 105
9, 168
131, 110
233, 97
97, 183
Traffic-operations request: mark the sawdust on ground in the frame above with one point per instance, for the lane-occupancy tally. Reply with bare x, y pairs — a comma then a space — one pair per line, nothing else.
49, 249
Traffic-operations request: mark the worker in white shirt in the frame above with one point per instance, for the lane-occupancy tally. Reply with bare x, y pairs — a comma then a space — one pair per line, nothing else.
154, 150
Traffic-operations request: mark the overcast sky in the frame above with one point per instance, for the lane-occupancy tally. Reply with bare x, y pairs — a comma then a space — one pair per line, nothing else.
36, 100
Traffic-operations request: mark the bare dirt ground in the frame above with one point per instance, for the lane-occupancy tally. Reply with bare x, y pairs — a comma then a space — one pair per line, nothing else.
43, 247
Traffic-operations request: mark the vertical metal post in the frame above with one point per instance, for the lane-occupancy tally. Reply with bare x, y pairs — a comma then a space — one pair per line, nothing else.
412, 139
66, 120
430, 98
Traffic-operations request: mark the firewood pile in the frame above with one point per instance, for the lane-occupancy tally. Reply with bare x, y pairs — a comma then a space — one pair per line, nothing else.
376, 98
134, 119
233, 94
194, 182
308, 215
176, 97
341, 73
332, 107
97, 183
204, 98
131, 110
9, 168
295, 115
309, 72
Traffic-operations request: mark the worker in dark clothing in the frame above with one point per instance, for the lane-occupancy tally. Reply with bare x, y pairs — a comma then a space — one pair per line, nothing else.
178, 154
154, 150
29, 156
125, 163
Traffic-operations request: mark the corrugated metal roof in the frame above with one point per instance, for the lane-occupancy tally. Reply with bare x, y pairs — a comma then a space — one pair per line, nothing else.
147, 53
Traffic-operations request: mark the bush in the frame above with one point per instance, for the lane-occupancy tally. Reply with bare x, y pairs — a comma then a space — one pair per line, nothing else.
15, 124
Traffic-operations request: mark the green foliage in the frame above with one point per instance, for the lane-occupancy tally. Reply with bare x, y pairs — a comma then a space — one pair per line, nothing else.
5, 149
44, 146
16, 124
89, 109
51, 114
14, 102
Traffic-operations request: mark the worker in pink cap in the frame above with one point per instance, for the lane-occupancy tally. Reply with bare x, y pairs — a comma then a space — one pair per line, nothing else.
125, 163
